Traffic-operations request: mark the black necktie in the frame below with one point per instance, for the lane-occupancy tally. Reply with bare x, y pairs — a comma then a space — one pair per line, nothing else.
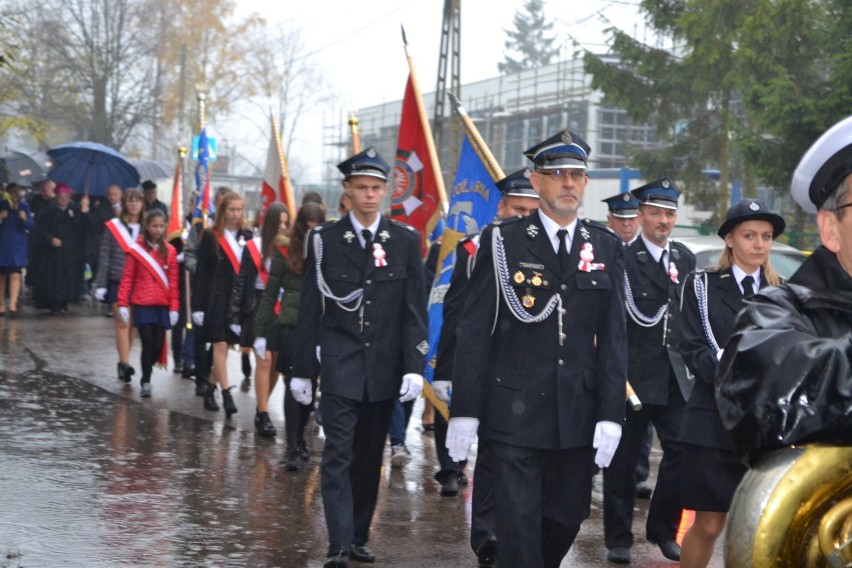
748, 286
368, 240
563, 250
663, 264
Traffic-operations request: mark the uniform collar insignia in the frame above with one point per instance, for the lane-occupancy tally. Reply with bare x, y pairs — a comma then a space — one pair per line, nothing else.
384, 235
642, 256
349, 236
584, 232
423, 347
675, 253
532, 231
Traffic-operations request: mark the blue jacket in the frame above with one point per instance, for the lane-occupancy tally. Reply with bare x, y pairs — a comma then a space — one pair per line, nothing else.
14, 234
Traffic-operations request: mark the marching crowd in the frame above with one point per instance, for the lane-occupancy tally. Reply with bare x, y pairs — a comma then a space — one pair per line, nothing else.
548, 321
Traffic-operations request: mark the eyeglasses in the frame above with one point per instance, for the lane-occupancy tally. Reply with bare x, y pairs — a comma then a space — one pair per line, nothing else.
575, 175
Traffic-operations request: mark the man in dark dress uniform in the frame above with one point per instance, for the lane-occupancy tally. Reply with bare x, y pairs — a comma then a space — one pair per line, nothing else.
362, 325
149, 188
541, 360
655, 268
519, 199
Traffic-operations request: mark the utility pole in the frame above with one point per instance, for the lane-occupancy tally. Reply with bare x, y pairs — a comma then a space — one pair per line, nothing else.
449, 61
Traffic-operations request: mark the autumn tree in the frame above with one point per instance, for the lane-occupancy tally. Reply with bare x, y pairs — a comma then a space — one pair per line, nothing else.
529, 44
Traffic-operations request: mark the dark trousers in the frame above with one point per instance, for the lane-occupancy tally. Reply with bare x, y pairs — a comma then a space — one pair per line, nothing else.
203, 357
643, 468
296, 416
483, 524
620, 477
542, 498
152, 337
355, 433
447, 465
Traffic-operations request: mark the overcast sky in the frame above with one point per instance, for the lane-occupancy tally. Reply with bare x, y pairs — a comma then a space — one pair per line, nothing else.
358, 45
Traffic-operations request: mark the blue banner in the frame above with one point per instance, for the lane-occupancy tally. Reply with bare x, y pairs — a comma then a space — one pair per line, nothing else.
202, 179
473, 204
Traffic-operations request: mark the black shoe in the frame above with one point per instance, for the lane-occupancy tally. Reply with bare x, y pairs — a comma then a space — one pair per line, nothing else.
304, 452
178, 370
263, 425
293, 461
246, 384
619, 555
125, 372
361, 554
210, 397
336, 560
463, 480
201, 389
188, 372
670, 550
643, 490
486, 552
228, 403
450, 486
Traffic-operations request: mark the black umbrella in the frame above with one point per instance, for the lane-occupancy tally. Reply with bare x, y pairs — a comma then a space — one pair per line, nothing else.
24, 168
149, 169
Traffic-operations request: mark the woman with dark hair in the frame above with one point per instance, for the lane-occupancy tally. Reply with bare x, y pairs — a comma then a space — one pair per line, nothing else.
16, 222
149, 284
711, 301
281, 300
119, 235
220, 249
254, 273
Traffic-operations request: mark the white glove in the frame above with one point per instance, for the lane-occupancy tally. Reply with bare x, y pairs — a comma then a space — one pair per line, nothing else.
301, 390
198, 318
124, 314
100, 294
173, 318
412, 386
443, 390
461, 433
235, 328
179, 258
607, 436
260, 347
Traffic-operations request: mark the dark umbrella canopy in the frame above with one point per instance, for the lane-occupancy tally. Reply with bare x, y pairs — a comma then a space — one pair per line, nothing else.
23, 168
88, 167
149, 169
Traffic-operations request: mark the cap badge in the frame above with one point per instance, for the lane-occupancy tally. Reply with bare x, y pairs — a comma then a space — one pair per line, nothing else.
754, 206
566, 138
519, 277
528, 301
371, 153
384, 235
527, 173
666, 183
532, 231
625, 197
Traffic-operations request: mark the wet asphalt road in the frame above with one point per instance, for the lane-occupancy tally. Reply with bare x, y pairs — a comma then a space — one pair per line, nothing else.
93, 475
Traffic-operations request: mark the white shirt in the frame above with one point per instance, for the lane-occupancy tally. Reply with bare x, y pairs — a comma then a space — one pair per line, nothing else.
739, 274
656, 251
551, 226
359, 227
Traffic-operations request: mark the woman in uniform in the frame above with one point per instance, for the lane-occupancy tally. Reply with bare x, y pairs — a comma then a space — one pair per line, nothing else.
711, 301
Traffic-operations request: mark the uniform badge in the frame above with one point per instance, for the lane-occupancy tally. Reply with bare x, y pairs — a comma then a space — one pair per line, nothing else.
379, 255
566, 138
666, 184
519, 277
384, 235
625, 196
349, 236
754, 206
536, 280
528, 301
423, 347
532, 231
584, 232
371, 153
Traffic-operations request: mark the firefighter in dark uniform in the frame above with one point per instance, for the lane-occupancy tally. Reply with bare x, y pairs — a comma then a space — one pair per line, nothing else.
621, 216
519, 198
541, 360
655, 268
362, 326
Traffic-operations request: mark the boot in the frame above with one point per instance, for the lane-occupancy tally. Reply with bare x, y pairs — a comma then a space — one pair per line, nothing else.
263, 425
293, 461
210, 398
228, 403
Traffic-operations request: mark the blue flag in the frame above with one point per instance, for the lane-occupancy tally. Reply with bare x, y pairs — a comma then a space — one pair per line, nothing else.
473, 204
202, 179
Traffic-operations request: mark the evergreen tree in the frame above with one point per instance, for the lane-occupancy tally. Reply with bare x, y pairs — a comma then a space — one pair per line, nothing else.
529, 45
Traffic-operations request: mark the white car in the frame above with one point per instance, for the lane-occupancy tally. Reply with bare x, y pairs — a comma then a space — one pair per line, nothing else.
785, 259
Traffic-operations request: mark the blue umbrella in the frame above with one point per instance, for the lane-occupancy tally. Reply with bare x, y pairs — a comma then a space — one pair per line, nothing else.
90, 168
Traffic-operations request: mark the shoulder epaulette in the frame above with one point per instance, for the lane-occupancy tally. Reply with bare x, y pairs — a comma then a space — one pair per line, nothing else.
680, 246
324, 226
599, 226
509, 220
402, 225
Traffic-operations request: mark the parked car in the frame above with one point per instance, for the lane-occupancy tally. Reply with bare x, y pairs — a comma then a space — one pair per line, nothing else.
785, 259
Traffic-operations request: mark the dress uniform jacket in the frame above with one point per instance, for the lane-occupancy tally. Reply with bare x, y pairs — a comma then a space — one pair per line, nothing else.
366, 344
651, 353
527, 388
702, 425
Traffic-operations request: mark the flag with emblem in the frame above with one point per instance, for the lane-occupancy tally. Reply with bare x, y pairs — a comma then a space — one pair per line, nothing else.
203, 204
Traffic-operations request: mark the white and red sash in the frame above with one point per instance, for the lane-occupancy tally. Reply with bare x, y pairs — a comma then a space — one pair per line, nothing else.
143, 256
121, 234
232, 249
254, 246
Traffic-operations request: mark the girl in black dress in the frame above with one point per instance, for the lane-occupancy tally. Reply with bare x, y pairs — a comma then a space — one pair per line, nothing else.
711, 301
220, 249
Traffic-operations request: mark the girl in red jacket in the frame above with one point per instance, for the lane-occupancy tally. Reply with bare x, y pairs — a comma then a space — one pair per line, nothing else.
149, 283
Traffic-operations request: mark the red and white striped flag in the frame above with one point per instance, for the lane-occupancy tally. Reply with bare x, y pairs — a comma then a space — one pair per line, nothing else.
276, 181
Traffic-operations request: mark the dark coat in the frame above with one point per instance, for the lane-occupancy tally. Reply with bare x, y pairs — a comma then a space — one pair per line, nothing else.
110, 259
364, 352
786, 375
526, 389
651, 357
60, 276
702, 425
453, 304
15, 234
244, 297
283, 283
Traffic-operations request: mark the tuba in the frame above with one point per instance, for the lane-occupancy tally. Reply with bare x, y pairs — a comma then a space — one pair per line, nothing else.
793, 509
